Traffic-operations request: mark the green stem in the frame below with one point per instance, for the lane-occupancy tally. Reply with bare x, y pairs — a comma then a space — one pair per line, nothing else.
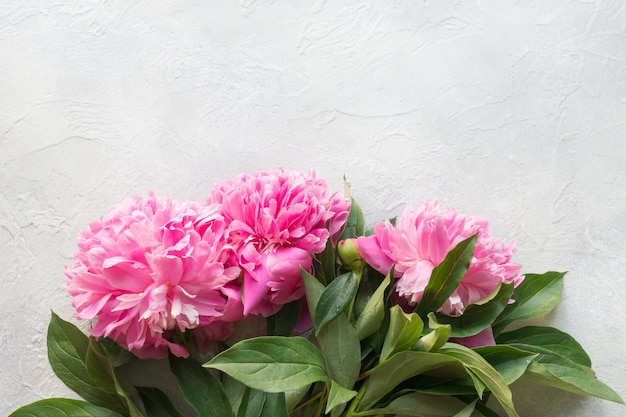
322, 403
355, 402
308, 401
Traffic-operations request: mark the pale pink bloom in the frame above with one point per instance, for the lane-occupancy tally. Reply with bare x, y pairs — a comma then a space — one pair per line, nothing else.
147, 269
421, 239
277, 222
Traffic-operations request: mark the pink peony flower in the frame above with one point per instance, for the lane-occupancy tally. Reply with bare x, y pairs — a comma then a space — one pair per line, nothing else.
147, 269
421, 240
277, 222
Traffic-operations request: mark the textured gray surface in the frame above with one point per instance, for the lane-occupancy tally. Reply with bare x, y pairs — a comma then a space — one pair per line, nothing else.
513, 111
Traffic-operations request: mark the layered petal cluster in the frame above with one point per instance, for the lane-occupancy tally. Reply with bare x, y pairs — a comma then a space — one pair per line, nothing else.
421, 239
147, 269
277, 222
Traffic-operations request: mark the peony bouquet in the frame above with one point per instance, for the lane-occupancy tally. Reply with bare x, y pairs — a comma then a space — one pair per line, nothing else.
270, 298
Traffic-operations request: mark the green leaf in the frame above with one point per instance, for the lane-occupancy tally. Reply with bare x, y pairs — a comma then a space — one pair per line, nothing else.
252, 403
404, 330
116, 354
272, 363
373, 344
99, 367
369, 282
563, 365
234, 390
446, 276
156, 403
101, 370
535, 296
477, 317
436, 338
335, 299
548, 338
203, 391
338, 396
510, 362
274, 405
338, 339
424, 405
284, 321
63, 407
451, 380
313, 290
477, 381
558, 372
257, 403
373, 314
398, 368
355, 224
468, 411
293, 397
485, 411
67, 353
342, 351
479, 368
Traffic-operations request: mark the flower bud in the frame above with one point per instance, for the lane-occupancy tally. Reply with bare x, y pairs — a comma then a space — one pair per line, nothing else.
349, 255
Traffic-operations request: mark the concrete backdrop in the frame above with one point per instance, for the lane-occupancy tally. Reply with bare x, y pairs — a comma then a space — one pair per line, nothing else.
512, 111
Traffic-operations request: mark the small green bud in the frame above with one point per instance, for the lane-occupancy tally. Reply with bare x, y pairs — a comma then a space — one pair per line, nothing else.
349, 255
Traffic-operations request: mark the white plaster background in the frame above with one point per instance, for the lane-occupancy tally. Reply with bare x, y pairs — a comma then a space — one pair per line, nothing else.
513, 111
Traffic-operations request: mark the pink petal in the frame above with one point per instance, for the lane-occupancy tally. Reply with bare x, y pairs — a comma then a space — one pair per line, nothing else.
125, 276
254, 289
484, 338
166, 268
283, 267
371, 251
413, 282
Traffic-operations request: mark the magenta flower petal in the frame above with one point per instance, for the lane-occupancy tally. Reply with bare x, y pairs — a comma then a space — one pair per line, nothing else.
254, 289
283, 267
233, 310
